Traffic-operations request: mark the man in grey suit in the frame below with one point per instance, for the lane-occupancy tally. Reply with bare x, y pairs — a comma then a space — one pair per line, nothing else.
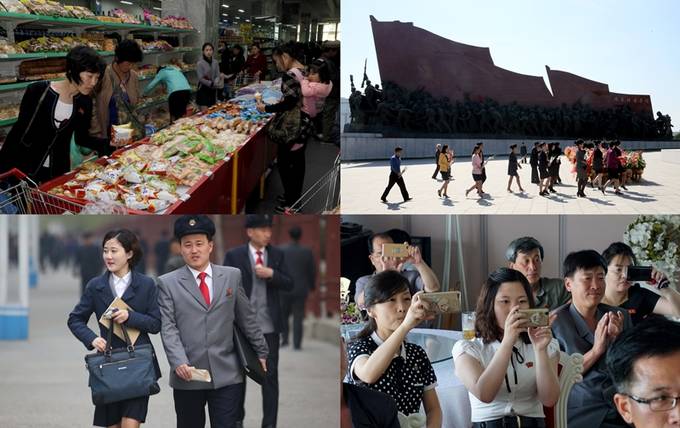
264, 276
302, 267
200, 304
588, 327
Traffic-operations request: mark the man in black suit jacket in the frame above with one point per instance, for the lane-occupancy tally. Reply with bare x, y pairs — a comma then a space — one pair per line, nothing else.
302, 267
264, 275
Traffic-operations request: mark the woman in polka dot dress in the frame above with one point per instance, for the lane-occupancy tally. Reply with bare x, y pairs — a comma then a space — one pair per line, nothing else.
380, 359
509, 370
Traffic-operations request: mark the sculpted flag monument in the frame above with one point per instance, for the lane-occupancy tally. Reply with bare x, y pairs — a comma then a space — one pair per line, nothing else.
435, 85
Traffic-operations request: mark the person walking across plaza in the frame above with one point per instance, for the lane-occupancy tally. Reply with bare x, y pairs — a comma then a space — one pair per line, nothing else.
512, 168
533, 162
581, 174
200, 305
523, 153
264, 276
300, 264
444, 166
396, 176
437, 152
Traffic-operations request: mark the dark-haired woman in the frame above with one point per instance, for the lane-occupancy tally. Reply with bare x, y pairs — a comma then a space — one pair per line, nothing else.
233, 67
50, 114
208, 72
477, 166
179, 91
638, 301
373, 356
256, 64
121, 252
291, 157
444, 163
119, 92
509, 370
513, 165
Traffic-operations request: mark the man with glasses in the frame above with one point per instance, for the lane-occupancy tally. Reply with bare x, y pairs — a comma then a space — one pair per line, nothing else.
644, 363
588, 327
423, 278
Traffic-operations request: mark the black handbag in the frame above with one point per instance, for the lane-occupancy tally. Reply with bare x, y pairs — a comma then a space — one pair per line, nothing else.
122, 373
286, 127
249, 359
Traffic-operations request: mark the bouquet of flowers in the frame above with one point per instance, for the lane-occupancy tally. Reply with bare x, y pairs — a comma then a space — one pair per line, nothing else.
349, 312
655, 241
634, 160
570, 154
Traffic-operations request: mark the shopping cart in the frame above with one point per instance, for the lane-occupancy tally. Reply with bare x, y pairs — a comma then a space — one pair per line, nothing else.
330, 183
21, 195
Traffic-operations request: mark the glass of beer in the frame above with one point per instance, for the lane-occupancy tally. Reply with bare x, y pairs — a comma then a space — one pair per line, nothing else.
468, 324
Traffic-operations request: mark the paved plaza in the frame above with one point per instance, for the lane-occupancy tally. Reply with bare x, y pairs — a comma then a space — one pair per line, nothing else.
43, 381
364, 182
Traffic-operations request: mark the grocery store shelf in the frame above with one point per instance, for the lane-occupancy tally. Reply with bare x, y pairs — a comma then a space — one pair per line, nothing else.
41, 55
88, 24
8, 122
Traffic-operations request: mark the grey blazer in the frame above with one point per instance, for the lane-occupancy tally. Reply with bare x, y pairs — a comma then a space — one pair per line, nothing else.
202, 337
590, 401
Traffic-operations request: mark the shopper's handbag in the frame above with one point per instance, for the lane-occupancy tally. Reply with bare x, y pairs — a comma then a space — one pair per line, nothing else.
249, 359
286, 127
123, 373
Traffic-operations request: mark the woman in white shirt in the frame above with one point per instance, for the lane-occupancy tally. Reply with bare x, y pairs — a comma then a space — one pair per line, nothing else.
381, 359
121, 252
509, 370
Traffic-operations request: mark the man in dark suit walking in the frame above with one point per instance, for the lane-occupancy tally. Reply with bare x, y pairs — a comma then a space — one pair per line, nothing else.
89, 259
264, 276
300, 263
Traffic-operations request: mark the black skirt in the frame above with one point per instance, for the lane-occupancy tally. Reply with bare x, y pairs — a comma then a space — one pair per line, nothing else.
477, 177
534, 175
206, 96
544, 173
111, 414
446, 175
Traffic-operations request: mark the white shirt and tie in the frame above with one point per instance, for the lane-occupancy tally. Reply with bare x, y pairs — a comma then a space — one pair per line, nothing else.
208, 279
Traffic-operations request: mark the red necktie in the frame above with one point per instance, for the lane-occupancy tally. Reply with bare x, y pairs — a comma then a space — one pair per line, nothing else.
259, 260
204, 288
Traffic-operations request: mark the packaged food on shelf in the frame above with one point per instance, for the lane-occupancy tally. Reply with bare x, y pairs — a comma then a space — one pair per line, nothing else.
46, 7
111, 19
156, 46
124, 17
177, 22
8, 48
14, 6
54, 44
80, 12
152, 19
9, 112
42, 69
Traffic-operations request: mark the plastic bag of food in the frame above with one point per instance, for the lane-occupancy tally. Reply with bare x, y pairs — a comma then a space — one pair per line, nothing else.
14, 6
122, 135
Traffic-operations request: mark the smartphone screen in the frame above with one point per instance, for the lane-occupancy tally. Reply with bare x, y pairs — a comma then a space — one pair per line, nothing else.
639, 273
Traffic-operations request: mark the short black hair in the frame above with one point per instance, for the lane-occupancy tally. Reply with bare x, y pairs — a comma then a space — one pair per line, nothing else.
398, 149
513, 146
293, 49
239, 48
83, 59
618, 249
295, 233
522, 245
656, 336
399, 236
323, 68
128, 51
373, 237
584, 259
206, 44
128, 241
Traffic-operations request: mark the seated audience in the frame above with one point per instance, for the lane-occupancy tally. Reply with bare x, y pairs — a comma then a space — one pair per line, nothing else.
509, 369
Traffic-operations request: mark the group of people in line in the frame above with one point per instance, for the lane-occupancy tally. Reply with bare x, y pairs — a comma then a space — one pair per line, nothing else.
195, 308
604, 169
511, 370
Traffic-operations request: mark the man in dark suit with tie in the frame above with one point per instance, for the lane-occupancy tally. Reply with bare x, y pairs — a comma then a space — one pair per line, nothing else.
302, 268
264, 276
200, 303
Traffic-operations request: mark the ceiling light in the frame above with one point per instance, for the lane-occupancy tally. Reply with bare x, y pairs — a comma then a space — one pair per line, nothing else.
157, 8
225, 5
225, 14
241, 10
247, 20
125, 2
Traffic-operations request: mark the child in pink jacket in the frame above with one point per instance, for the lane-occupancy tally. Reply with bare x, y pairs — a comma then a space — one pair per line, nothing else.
315, 87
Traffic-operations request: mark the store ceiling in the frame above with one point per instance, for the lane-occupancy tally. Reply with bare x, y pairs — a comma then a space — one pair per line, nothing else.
320, 9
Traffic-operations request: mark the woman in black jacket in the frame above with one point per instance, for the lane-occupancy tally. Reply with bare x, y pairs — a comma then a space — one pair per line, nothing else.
121, 252
50, 113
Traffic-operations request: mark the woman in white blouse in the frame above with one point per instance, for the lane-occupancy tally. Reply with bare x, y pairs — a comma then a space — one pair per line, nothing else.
509, 370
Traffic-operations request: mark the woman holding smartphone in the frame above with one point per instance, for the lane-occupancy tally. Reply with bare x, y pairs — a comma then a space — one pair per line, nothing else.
509, 369
121, 252
640, 302
381, 359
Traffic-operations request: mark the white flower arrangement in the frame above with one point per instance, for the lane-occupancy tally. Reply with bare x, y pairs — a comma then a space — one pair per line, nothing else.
655, 241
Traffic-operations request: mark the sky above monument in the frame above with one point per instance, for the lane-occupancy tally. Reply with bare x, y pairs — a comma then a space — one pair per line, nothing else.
630, 45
